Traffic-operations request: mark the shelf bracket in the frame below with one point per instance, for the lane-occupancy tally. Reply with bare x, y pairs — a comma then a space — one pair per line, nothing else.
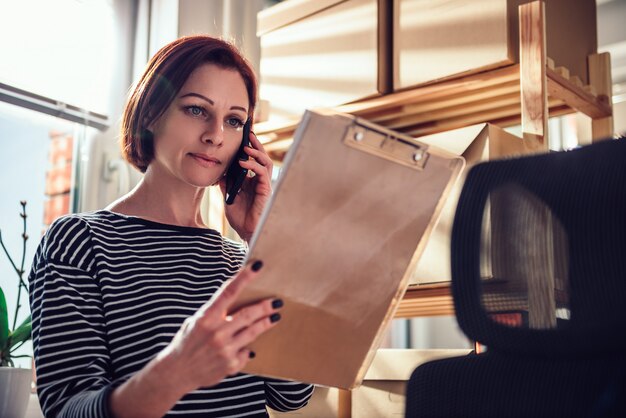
533, 82
600, 78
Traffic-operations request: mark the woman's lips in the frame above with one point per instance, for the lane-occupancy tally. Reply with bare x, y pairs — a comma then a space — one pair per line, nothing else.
205, 160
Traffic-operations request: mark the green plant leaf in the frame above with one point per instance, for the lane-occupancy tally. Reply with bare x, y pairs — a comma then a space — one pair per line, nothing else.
4, 321
21, 333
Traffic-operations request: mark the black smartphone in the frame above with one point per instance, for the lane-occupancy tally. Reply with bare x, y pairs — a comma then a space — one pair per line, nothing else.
236, 174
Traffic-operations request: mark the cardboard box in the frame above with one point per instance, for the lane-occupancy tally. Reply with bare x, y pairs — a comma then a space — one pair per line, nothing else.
382, 393
436, 39
474, 143
322, 53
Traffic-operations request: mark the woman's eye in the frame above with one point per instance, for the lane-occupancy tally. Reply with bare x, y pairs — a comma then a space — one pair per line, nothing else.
195, 110
235, 122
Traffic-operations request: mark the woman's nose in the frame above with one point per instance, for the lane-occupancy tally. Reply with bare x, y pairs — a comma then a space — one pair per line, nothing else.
213, 134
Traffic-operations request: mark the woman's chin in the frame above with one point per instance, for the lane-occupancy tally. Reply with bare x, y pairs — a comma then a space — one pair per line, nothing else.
201, 181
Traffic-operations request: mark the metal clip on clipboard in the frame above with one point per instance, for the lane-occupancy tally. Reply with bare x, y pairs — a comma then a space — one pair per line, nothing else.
389, 145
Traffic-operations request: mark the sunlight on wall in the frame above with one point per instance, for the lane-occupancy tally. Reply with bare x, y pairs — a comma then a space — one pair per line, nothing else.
59, 49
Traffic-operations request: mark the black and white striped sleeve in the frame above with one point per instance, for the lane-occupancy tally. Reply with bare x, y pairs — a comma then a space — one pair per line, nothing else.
71, 354
283, 395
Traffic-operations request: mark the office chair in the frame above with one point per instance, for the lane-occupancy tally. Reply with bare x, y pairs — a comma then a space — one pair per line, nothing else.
539, 278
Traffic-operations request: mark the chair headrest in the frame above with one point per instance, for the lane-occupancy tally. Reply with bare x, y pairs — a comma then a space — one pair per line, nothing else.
539, 252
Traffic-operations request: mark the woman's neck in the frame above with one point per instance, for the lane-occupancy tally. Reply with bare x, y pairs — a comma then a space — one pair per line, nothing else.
162, 200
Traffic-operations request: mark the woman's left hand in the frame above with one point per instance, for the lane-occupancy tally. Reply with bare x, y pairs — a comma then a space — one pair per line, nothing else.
244, 214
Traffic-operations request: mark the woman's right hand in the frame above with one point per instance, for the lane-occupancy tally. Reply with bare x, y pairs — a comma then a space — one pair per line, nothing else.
212, 344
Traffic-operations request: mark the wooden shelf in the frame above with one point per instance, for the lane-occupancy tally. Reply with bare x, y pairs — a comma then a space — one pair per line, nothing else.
426, 300
436, 299
525, 94
491, 96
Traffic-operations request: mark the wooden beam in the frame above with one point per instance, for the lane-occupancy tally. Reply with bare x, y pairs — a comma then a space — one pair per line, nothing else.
476, 106
534, 94
600, 78
461, 99
432, 91
515, 120
582, 99
272, 130
466, 119
344, 403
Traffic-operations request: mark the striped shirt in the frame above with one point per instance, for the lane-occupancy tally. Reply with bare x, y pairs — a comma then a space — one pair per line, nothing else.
108, 292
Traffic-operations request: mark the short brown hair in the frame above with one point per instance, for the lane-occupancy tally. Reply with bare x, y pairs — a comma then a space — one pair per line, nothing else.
163, 78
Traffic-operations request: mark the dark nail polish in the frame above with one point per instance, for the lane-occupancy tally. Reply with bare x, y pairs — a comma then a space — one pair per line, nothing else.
277, 303
275, 317
257, 265
252, 354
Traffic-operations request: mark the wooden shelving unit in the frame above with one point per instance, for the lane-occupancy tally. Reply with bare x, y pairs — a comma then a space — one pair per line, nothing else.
527, 93
492, 96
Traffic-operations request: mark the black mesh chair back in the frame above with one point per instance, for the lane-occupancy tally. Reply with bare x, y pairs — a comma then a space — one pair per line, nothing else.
539, 277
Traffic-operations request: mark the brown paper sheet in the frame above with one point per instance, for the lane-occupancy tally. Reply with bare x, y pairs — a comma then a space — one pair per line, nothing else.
347, 221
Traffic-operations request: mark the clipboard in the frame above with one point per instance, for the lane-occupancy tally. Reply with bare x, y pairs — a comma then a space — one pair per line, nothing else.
349, 217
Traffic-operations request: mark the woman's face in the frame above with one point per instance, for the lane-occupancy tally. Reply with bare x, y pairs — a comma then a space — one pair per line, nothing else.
200, 132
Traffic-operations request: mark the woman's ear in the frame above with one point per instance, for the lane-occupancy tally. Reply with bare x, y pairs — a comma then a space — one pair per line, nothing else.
146, 133
148, 123
148, 126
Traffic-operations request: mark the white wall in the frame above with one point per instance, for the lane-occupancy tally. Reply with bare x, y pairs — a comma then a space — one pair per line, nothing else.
100, 150
619, 115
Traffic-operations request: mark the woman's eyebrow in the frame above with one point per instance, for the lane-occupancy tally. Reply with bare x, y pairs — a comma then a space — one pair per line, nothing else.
243, 109
199, 96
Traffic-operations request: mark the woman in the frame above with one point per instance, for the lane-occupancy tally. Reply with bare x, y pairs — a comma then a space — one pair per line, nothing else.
130, 318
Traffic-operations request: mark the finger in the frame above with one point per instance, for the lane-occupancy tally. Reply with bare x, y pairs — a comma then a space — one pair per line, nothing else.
259, 170
250, 333
254, 140
240, 360
259, 156
221, 301
237, 362
247, 315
